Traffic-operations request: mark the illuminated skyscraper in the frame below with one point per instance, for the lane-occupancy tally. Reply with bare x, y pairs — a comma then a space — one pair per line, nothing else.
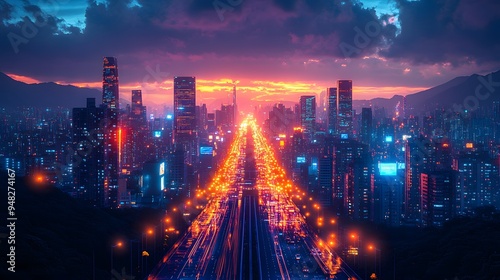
352, 177
138, 111
88, 174
438, 196
185, 134
325, 179
359, 186
332, 110
137, 137
344, 107
110, 95
366, 126
417, 160
308, 114
110, 102
184, 110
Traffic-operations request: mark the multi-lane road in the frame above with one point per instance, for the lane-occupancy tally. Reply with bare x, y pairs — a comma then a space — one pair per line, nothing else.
250, 229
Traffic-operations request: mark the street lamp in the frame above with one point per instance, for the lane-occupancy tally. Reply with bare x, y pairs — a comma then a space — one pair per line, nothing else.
375, 250
119, 244
355, 237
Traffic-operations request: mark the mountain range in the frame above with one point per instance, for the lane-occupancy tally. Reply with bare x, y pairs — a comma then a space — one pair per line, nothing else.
459, 90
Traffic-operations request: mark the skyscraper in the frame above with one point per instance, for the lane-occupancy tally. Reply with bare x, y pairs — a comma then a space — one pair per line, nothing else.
308, 114
417, 156
325, 179
479, 180
332, 110
366, 126
110, 102
358, 188
138, 111
138, 135
185, 134
88, 173
184, 110
346, 152
344, 107
110, 93
438, 196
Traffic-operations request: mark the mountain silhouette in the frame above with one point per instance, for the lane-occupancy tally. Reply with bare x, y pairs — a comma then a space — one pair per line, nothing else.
459, 90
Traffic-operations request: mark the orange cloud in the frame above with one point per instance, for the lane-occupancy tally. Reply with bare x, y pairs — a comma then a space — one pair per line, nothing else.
24, 79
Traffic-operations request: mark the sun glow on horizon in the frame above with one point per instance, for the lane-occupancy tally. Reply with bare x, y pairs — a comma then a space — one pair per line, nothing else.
218, 91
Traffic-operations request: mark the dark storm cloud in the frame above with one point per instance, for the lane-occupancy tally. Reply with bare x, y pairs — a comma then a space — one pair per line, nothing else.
282, 29
453, 31
5, 10
285, 29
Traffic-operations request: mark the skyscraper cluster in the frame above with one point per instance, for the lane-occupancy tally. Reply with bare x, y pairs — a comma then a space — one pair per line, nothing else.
386, 166
141, 161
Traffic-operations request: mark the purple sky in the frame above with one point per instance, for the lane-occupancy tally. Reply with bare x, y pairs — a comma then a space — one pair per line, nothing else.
277, 50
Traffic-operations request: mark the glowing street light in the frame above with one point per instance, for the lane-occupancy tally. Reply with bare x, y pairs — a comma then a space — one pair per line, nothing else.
374, 249
119, 244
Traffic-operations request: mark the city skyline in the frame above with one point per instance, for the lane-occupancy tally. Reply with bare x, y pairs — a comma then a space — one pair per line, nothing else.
283, 139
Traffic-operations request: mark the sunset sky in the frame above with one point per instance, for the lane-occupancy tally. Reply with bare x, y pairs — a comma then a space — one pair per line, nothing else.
274, 50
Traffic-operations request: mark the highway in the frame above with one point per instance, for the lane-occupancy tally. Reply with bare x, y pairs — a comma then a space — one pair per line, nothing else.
250, 228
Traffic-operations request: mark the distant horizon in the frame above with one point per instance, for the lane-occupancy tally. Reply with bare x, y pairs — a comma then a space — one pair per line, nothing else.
214, 103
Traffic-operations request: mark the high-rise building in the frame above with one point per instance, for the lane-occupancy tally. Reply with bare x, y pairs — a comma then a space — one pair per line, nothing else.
185, 133
201, 118
418, 152
346, 152
366, 126
225, 118
359, 186
110, 93
138, 111
308, 114
184, 111
281, 121
344, 107
332, 111
211, 124
438, 193
154, 183
88, 173
479, 179
388, 194
206, 164
137, 134
325, 180
299, 158
110, 101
